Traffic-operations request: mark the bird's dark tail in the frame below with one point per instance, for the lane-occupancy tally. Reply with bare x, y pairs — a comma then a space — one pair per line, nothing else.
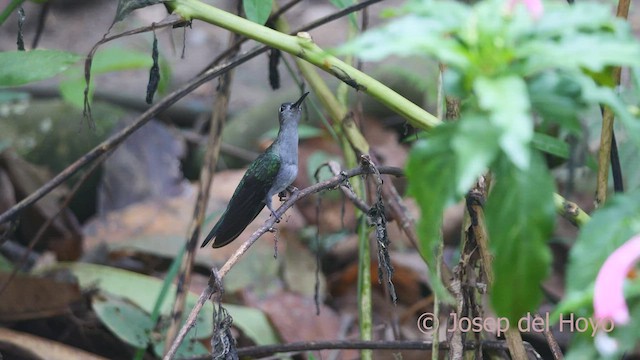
230, 226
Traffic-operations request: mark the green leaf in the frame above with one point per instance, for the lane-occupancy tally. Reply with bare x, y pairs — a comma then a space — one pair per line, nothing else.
551, 145
520, 217
314, 162
557, 97
343, 4
431, 173
257, 11
475, 144
596, 94
22, 67
610, 227
125, 7
253, 323
104, 61
119, 59
576, 52
72, 91
400, 38
507, 102
127, 321
140, 289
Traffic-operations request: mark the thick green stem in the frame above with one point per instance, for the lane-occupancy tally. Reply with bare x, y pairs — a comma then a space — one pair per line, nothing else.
303, 47
8, 10
570, 211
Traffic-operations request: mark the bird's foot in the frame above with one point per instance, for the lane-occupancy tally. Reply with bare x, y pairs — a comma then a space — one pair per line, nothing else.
273, 213
282, 195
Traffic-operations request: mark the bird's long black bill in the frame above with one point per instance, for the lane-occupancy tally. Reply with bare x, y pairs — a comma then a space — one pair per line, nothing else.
299, 102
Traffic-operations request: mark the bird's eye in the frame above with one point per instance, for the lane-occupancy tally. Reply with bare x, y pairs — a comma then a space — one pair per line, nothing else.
282, 107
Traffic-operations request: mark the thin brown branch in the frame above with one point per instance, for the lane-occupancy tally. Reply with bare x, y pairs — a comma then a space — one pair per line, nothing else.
347, 190
268, 225
270, 350
551, 340
219, 116
606, 136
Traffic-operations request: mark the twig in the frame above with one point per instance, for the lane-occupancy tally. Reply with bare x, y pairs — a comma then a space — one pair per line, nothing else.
606, 136
266, 350
268, 224
269, 350
218, 119
551, 340
347, 190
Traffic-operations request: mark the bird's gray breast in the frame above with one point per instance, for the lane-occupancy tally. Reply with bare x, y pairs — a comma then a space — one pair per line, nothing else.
286, 175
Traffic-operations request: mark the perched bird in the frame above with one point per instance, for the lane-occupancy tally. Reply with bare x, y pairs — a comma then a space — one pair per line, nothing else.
271, 173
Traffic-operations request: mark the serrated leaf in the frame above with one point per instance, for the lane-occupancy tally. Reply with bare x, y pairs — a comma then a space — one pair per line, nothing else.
609, 227
520, 218
507, 102
23, 67
410, 35
576, 52
257, 11
125, 7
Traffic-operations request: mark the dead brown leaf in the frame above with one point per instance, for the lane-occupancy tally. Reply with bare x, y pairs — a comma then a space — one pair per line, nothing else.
29, 297
26, 346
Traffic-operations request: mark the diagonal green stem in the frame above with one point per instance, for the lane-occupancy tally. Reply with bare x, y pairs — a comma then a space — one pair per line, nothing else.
8, 10
304, 47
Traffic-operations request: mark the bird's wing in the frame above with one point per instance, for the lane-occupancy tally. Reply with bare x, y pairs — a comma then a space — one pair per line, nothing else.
247, 200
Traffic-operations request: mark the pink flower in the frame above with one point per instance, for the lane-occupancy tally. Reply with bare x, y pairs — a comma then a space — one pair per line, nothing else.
534, 7
608, 297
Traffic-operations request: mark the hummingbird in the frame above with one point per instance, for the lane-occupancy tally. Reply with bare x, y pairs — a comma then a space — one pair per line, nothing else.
271, 173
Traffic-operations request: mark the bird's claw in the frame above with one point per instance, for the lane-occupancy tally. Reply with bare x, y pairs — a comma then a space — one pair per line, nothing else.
282, 195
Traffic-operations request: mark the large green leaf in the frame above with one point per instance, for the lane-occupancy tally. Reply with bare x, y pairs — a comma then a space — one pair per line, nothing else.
127, 321
520, 217
576, 52
22, 67
507, 102
143, 290
104, 61
257, 11
609, 227
431, 175
475, 144
400, 39
140, 289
